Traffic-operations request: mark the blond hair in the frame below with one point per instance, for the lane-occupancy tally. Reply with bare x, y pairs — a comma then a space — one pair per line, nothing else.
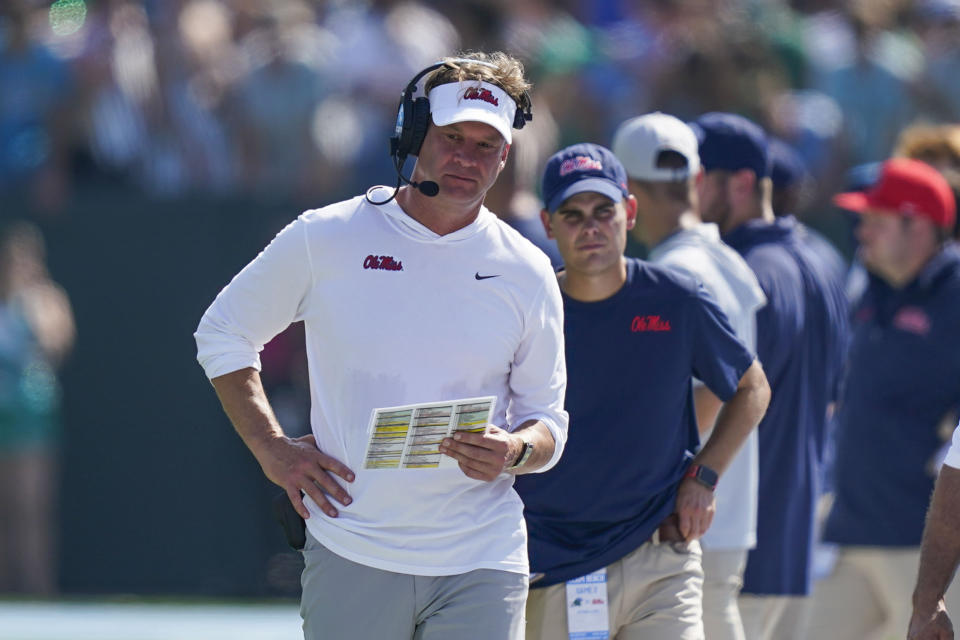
937, 145
507, 73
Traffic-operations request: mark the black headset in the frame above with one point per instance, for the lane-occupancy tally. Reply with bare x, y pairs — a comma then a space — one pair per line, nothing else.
413, 119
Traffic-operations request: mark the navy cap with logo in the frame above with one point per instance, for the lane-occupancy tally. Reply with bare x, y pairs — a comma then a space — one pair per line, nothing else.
580, 168
730, 142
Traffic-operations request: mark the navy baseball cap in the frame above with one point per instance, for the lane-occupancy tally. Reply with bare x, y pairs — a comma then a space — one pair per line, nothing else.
580, 168
730, 143
787, 167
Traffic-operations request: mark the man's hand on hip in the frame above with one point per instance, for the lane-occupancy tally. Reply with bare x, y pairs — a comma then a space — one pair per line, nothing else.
483, 456
297, 464
932, 626
696, 505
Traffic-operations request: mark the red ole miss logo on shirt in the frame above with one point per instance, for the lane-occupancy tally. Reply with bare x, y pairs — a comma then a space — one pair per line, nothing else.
913, 320
479, 93
386, 263
649, 323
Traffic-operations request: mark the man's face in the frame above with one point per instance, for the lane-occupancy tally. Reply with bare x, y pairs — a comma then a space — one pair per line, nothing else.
713, 196
463, 158
591, 231
884, 240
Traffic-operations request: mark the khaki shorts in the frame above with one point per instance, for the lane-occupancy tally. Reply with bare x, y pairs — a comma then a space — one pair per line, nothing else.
654, 593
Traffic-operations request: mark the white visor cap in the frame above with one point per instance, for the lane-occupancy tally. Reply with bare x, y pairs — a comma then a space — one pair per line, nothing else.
639, 141
473, 101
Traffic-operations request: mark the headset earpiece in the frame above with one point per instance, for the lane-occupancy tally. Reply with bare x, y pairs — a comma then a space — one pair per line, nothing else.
418, 125
413, 118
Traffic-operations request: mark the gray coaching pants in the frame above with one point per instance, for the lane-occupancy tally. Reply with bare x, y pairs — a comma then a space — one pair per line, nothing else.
343, 599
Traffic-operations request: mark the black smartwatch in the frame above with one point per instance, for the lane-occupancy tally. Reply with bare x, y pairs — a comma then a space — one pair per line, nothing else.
704, 475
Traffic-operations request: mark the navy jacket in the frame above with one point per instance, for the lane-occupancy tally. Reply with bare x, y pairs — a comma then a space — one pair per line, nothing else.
903, 377
801, 339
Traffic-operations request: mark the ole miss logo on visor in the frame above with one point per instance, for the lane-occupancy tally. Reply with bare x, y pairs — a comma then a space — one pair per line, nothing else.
479, 93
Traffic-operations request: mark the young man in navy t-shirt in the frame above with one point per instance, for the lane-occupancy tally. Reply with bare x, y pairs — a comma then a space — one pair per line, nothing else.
613, 528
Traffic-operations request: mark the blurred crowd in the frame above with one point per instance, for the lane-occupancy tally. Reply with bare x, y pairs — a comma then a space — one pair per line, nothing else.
293, 100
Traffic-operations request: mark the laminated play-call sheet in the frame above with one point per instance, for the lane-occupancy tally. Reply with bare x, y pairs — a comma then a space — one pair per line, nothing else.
409, 437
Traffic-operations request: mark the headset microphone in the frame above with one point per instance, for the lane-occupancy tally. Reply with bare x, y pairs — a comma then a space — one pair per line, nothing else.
427, 187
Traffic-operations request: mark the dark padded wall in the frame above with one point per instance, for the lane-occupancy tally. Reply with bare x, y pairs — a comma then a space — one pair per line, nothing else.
158, 494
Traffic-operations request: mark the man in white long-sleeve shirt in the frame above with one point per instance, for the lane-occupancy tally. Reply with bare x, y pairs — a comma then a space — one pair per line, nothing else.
423, 298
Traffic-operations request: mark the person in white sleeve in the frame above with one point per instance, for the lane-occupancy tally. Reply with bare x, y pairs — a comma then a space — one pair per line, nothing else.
411, 295
662, 161
939, 553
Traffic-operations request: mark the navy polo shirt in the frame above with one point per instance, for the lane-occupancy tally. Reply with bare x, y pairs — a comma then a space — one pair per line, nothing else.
903, 376
801, 339
633, 430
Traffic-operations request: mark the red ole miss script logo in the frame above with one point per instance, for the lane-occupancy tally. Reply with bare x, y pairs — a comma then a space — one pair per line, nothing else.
479, 93
387, 263
580, 163
649, 323
912, 319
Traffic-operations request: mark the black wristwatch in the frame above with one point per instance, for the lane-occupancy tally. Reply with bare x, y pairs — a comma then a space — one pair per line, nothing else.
525, 454
704, 475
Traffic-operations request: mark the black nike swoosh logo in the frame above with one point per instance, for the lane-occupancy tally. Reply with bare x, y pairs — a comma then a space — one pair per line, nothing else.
480, 277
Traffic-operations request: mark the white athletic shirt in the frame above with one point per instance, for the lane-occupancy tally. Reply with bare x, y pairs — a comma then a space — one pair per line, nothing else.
700, 253
395, 314
953, 454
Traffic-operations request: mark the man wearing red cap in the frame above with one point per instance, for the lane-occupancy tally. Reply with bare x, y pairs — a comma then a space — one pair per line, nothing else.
902, 379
